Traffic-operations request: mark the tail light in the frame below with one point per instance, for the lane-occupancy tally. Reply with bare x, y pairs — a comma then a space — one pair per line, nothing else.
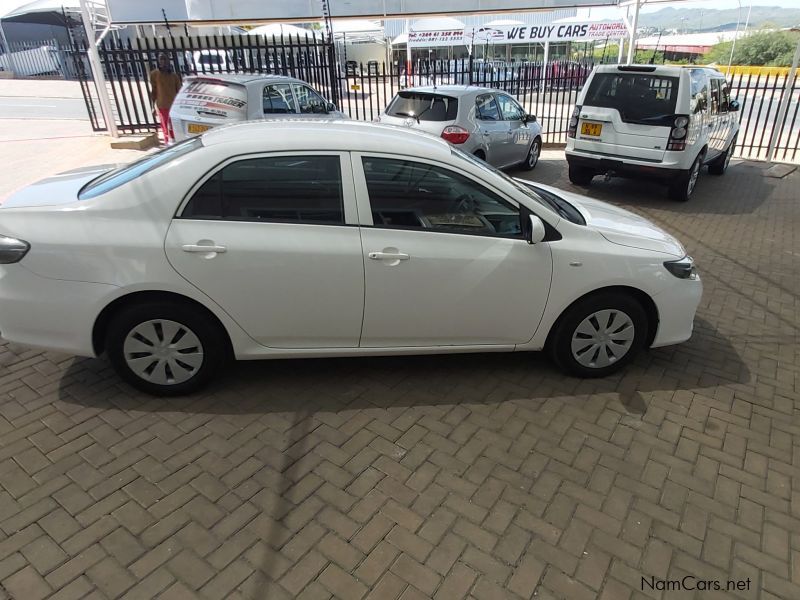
572, 128
677, 135
455, 134
12, 250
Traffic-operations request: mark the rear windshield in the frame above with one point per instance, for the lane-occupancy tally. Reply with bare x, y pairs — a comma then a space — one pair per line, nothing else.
639, 97
423, 107
117, 177
212, 98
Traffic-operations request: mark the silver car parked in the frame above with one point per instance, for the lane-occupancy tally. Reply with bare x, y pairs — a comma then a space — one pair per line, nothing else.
207, 101
485, 122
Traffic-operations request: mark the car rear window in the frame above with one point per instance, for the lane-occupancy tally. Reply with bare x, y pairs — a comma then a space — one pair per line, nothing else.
642, 98
423, 106
209, 97
117, 177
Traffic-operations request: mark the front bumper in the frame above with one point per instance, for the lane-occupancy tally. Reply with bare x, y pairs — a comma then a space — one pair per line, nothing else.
677, 306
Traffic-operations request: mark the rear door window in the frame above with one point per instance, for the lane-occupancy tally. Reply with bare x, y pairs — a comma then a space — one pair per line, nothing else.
424, 106
486, 107
278, 99
643, 98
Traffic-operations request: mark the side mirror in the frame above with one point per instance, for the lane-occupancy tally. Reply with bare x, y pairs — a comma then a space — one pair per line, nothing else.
331, 107
734, 105
529, 118
535, 232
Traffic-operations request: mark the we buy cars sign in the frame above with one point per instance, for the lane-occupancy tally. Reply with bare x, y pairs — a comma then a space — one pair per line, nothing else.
511, 34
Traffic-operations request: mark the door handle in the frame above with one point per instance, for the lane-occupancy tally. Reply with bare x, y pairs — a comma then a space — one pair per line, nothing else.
486, 134
203, 248
388, 256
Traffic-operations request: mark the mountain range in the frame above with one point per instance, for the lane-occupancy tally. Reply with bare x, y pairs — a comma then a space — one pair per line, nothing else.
698, 19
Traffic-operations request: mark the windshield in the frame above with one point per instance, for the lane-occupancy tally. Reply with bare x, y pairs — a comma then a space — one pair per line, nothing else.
423, 107
555, 203
641, 98
117, 177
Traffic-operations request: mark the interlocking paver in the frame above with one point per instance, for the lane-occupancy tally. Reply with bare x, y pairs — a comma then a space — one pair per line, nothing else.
487, 476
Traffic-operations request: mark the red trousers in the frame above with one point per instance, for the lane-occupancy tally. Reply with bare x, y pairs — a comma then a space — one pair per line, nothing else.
166, 125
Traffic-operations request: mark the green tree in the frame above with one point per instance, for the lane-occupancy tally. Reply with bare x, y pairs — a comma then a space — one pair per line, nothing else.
773, 48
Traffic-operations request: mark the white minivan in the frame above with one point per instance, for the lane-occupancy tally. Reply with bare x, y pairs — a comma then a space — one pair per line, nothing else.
652, 121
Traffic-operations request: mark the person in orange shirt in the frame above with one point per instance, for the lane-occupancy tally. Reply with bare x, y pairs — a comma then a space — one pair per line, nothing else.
164, 85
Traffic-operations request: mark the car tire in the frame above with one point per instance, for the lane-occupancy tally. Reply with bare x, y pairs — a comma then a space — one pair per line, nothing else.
480, 154
580, 175
683, 186
720, 165
165, 348
532, 159
582, 345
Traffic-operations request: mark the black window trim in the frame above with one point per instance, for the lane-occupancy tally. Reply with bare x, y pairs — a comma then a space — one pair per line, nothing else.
496, 105
514, 100
254, 155
265, 115
503, 198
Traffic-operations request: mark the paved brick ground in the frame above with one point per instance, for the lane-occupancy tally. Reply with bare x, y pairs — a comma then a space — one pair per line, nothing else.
490, 476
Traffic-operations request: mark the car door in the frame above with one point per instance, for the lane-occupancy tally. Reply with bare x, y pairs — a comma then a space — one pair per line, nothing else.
278, 100
271, 239
700, 109
519, 138
492, 128
445, 261
715, 126
727, 122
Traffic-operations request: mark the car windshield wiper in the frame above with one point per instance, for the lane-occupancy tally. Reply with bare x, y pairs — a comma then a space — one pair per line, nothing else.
406, 114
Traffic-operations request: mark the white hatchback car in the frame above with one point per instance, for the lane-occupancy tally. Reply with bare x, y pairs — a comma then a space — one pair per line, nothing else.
660, 122
291, 239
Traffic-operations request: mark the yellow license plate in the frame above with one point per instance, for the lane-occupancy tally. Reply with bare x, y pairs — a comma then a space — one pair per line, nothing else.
198, 128
591, 129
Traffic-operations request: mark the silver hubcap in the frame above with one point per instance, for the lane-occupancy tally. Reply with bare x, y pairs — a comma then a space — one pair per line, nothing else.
693, 176
602, 338
163, 352
533, 155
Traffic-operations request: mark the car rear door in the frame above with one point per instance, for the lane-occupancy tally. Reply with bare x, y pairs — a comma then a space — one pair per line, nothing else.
272, 240
628, 114
492, 129
277, 100
717, 120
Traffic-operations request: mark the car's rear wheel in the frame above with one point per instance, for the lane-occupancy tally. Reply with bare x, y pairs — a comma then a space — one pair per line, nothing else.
580, 175
720, 165
532, 159
682, 188
599, 334
166, 349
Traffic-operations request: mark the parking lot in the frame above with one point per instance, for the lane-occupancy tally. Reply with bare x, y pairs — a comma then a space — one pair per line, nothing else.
485, 476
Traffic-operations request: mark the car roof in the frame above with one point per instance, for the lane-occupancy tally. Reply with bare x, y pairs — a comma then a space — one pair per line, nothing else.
327, 134
243, 78
450, 90
673, 70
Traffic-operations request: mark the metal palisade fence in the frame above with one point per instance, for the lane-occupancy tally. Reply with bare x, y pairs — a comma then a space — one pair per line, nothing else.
362, 91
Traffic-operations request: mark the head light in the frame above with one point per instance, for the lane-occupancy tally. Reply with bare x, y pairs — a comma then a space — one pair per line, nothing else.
682, 268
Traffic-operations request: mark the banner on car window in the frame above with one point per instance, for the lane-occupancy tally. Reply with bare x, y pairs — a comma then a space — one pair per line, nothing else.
520, 34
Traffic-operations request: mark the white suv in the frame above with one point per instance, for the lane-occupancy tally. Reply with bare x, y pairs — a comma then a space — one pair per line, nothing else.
653, 121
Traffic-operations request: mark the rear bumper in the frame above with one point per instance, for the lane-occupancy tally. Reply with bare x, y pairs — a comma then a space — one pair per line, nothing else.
626, 167
49, 313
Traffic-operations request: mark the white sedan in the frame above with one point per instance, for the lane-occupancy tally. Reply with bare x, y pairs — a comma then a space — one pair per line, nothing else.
298, 238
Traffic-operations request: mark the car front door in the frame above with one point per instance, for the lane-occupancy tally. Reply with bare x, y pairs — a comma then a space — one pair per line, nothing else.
519, 134
271, 239
445, 263
492, 129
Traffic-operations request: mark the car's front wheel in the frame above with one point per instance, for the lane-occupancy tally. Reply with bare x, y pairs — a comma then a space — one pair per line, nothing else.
164, 348
532, 159
720, 165
599, 334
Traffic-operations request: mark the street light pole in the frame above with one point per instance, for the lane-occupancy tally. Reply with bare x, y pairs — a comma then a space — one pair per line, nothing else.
634, 25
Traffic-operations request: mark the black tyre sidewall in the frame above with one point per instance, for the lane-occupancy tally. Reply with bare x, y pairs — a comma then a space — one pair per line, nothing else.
718, 167
678, 190
560, 344
525, 164
215, 344
580, 175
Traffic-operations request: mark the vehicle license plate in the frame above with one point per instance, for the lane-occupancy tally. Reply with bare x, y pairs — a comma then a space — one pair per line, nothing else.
591, 129
198, 128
